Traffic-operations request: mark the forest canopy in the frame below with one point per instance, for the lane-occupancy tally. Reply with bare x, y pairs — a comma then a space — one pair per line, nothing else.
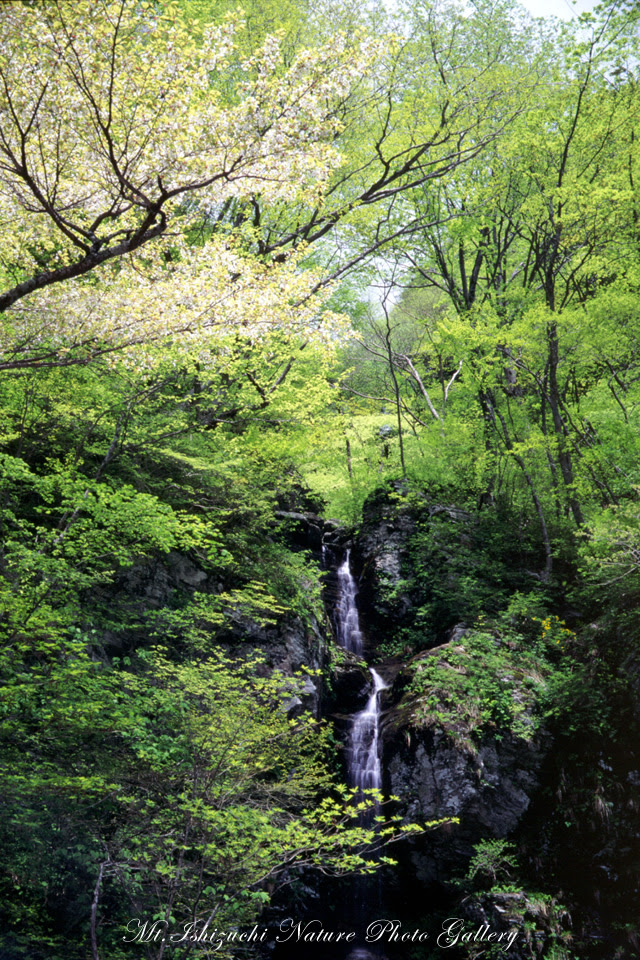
255, 262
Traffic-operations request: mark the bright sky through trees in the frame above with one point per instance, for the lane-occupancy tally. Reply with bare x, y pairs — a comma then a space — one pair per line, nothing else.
558, 8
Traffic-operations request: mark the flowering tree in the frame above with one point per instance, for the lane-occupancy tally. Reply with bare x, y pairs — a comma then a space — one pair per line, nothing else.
123, 132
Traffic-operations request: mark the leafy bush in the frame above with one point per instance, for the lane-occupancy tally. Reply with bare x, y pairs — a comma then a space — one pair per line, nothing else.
497, 680
482, 682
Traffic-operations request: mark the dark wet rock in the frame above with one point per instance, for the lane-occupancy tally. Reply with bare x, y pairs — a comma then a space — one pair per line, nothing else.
302, 529
155, 582
409, 555
488, 788
292, 646
382, 556
446, 755
425, 565
350, 683
289, 645
457, 633
306, 699
335, 535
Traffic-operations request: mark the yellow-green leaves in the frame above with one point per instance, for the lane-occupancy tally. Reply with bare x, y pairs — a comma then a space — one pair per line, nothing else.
118, 128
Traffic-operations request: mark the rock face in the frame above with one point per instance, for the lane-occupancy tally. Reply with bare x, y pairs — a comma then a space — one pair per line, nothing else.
154, 583
416, 560
168, 582
489, 790
445, 756
381, 553
463, 736
425, 565
350, 683
288, 646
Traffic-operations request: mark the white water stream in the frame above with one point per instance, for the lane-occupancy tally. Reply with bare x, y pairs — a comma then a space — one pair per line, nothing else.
363, 754
348, 624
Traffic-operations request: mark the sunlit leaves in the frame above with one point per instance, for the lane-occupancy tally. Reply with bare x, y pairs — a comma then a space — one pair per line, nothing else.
126, 132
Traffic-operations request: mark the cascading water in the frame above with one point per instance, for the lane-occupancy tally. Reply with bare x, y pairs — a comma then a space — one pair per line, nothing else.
364, 769
363, 754
364, 757
347, 622
364, 773
364, 760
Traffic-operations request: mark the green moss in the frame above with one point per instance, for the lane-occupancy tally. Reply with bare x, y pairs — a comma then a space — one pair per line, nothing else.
500, 680
481, 683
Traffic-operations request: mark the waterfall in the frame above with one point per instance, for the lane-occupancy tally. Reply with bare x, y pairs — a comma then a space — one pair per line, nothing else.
360, 903
363, 752
364, 758
348, 624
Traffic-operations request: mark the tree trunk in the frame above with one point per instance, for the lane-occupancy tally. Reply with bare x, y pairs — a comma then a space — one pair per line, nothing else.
555, 403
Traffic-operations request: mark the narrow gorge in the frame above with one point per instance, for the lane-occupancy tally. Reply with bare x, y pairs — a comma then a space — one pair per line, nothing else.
363, 754
452, 720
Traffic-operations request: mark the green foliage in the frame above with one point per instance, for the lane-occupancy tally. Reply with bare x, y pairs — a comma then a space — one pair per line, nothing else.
457, 563
493, 889
493, 863
482, 683
464, 563
141, 765
185, 782
610, 560
498, 679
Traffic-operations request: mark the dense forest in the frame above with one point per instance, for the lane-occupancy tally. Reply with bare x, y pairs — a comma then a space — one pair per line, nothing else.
287, 292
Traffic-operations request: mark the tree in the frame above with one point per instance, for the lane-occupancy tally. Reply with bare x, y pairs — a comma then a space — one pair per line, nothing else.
137, 780
179, 789
425, 114
529, 240
118, 130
